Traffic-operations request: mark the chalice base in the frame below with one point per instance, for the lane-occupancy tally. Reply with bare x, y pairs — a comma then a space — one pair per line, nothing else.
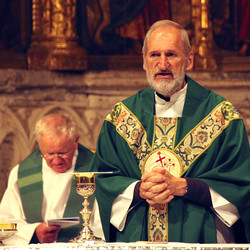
86, 234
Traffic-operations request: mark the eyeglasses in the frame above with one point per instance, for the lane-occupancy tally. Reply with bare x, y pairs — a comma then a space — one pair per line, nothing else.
53, 156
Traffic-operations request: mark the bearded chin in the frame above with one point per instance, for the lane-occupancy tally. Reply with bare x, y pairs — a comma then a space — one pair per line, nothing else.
167, 87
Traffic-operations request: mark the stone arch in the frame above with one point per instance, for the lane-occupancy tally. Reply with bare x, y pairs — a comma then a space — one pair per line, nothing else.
10, 124
14, 144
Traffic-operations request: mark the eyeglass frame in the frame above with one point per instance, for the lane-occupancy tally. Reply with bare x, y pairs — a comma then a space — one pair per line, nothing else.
53, 156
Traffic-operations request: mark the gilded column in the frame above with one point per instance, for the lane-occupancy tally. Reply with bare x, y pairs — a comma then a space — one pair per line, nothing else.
54, 44
203, 41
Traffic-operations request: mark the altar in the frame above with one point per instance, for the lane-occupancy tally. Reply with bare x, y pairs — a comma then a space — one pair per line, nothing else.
131, 246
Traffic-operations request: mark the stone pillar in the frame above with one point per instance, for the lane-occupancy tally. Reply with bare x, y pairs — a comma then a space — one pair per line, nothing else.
54, 44
202, 41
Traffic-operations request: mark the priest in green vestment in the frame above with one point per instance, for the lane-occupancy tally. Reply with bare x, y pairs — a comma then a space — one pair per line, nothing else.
42, 186
179, 154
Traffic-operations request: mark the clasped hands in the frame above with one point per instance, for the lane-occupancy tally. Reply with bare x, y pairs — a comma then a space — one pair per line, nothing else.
160, 187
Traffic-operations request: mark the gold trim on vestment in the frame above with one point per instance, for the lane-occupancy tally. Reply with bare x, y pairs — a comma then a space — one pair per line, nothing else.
195, 143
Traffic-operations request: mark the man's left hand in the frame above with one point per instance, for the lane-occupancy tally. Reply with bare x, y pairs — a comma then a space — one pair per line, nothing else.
160, 187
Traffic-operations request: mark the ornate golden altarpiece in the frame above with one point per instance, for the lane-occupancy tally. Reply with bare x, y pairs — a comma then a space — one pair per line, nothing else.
54, 44
54, 39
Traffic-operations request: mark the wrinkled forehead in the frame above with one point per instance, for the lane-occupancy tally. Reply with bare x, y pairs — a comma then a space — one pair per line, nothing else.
58, 140
167, 36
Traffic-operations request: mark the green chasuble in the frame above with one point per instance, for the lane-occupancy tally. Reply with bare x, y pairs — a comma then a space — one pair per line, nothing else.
31, 190
211, 145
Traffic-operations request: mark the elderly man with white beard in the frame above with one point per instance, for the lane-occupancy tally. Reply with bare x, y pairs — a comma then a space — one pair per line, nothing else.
179, 154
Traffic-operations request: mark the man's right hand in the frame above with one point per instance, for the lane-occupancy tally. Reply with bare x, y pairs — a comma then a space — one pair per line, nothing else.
47, 234
154, 187
159, 186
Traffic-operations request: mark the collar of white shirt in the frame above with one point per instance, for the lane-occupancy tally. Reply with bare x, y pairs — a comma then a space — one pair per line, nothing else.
172, 108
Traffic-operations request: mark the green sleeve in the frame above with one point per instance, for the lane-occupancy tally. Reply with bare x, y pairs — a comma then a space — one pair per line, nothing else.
108, 157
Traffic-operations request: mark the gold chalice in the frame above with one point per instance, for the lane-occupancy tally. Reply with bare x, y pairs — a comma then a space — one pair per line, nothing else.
85, 186
7, 230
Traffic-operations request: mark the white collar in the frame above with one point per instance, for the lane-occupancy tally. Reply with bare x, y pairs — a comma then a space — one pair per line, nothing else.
180, 95
174, 107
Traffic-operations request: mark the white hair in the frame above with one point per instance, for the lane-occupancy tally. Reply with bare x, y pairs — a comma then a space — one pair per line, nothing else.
166, 23
54, 124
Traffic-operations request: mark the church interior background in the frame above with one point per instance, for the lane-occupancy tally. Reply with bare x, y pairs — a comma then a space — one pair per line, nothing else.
82, 56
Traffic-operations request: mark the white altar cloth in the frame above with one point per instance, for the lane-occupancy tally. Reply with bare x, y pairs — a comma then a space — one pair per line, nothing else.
130, 246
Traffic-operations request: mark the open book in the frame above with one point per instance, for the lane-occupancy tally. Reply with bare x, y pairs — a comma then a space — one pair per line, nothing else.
64, 222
